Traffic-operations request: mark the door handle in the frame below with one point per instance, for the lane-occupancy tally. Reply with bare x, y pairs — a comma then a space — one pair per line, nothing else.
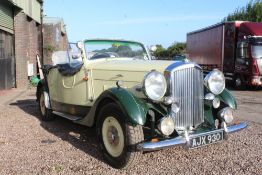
69, 87
119, 75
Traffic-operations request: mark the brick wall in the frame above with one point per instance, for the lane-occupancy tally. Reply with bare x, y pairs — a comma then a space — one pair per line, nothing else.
53, 40
27, 45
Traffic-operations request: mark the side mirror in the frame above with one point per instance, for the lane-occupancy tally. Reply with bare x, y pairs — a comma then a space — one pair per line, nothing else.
241, 49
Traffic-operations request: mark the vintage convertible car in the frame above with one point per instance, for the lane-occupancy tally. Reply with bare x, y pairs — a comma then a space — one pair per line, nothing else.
136, 104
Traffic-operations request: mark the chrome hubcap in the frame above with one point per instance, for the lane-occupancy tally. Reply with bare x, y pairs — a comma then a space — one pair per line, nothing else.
238, 82
113, 136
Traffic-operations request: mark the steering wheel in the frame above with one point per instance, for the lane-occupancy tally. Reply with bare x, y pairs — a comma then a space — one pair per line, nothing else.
104, 55
100, 55
113, 54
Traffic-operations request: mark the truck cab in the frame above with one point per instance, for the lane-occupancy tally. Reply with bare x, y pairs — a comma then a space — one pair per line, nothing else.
249, 54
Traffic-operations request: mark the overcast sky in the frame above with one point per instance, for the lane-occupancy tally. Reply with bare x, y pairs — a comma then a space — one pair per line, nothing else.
149, 21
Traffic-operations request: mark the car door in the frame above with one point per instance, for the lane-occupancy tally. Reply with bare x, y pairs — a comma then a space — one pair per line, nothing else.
68, 85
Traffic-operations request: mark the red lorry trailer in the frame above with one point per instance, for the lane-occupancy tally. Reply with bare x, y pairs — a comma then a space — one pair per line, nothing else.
233, 47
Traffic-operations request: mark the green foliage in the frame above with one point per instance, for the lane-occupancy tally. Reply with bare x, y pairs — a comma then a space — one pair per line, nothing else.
175, 49
252, 12
49, 48
171, 51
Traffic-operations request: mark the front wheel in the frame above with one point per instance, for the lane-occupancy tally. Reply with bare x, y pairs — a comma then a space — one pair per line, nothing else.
238, 82
117, 138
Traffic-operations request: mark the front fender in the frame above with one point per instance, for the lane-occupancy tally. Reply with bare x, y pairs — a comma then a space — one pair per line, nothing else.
134, 108
41, 85
227, 97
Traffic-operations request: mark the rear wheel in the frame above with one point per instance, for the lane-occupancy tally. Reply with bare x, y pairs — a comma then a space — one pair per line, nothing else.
46, 114
117, 138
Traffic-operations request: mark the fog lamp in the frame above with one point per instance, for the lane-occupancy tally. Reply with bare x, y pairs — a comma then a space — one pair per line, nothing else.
166, 126
168, 100
209, 96
227, 115
216, 103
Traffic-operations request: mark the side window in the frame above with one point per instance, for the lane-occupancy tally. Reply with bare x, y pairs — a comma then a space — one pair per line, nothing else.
242, 53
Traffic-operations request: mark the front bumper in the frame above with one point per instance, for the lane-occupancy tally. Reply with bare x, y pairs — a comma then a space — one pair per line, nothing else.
183, 140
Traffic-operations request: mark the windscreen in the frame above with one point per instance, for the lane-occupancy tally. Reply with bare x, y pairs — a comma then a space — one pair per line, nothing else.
256, 51
114, 49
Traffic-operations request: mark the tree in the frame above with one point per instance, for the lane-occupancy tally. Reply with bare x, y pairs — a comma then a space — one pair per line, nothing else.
171, 51
175, 49
252, 12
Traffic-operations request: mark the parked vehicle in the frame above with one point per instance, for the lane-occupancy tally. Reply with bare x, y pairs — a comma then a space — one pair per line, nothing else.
135, 103
233, 47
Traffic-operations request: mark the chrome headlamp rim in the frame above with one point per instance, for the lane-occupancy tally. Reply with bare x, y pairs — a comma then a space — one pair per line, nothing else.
164, 83
209, 86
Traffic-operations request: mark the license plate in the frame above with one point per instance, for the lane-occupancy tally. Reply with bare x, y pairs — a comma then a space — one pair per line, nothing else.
206, 139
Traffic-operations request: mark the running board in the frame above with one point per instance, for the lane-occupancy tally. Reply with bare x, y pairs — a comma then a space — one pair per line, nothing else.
67, 116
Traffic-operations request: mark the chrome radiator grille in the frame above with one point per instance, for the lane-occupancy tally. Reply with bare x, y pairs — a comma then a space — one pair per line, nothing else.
187, 90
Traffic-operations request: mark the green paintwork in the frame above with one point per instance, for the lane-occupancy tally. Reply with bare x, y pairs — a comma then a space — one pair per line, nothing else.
135, 109
113, 42
158, 108
228, 99
41, 85
209, 118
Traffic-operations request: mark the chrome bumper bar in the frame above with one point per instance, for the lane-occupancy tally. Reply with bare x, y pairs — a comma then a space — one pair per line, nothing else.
182, 140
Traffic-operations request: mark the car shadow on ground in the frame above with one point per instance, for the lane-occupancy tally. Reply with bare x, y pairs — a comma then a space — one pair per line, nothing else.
81, 137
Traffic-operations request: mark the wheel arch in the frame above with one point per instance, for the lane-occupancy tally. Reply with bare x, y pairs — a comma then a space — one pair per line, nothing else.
228, 99
40, 86
134, 109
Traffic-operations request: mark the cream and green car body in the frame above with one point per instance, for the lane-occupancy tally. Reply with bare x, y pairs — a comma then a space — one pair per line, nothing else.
119, 82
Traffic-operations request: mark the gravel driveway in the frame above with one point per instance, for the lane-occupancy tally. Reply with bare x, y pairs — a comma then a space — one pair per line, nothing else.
30, 146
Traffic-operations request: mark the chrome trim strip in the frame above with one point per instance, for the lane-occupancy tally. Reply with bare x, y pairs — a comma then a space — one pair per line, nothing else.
183, 140
152, 146
178, 65
235, 128
47, 100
